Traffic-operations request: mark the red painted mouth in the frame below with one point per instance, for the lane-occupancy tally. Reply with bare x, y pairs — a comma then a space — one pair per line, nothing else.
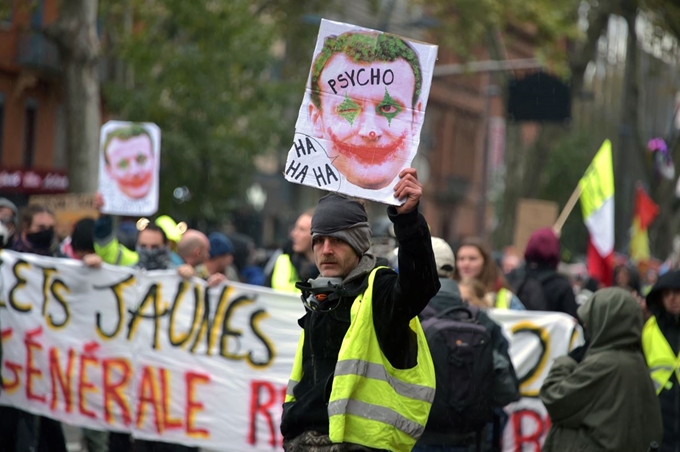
137, 182
368, 155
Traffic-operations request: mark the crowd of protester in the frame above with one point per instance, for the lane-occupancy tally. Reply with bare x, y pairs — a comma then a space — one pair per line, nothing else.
469, 276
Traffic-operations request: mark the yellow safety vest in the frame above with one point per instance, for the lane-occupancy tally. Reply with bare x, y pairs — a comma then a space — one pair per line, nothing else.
661, 360
503, 297
372, 403
284, 275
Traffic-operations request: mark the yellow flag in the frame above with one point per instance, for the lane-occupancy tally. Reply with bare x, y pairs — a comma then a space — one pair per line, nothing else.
597, 184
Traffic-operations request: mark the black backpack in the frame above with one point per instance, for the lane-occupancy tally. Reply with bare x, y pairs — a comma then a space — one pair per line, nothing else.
462, 352
530, 292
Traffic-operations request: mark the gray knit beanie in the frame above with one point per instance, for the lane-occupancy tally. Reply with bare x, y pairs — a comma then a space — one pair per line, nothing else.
343, 218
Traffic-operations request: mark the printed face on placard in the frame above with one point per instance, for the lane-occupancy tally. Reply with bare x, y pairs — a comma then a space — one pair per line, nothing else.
130, 163
367, 117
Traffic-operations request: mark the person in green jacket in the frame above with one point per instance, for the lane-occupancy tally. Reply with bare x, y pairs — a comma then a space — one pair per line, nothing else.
600, 397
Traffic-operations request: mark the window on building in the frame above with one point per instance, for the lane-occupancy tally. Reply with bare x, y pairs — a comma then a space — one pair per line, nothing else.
37, 15
30, 124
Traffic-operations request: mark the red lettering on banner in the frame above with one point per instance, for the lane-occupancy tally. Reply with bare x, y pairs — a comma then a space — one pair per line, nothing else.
6, 334
32, 371
168, 422
264, 408
149, 395
533, 438
84, 385
62, 378
192, 406
113, 391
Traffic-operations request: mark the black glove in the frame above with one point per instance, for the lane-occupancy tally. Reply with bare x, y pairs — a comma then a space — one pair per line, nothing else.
578, 353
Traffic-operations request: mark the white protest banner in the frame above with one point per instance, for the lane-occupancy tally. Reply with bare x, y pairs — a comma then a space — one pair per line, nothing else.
167, 359
536, 339
361, 116
129, 162
148, 353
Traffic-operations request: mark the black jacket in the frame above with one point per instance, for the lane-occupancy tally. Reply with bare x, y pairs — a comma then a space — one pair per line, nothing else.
670, 327
396, 300
449, 296
557, 291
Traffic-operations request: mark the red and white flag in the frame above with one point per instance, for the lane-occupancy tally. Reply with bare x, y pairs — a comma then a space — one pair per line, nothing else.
597, 204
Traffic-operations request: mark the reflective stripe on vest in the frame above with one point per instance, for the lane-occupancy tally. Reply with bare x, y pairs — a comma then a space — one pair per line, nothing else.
296, 372
378, 372
661, 360
503, 297
376, 413
371, 402
284, 275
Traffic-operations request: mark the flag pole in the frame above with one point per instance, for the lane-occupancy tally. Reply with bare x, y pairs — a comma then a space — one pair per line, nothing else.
573, 199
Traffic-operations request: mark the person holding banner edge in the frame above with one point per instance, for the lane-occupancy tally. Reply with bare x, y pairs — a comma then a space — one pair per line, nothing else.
362, 378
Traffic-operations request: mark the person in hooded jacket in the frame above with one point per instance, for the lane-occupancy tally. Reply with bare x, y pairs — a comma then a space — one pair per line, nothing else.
605, 402
538, 284
661, 345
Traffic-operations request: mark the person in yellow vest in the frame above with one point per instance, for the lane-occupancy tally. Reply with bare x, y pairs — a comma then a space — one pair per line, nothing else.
363, 378
661, 344
295, 262
602, 400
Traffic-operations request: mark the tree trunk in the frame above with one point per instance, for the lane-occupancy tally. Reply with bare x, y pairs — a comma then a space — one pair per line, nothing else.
629, 166
514, 174
75, 34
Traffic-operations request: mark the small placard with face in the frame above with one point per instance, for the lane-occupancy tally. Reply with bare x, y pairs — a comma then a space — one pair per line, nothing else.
129, 161
360, 120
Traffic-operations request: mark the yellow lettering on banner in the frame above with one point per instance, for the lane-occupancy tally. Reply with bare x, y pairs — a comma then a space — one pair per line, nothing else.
183, 339
572, 339
227, 331
536, 371
55, 287
120, 304
152, 294
207, 328
20, 284
255, 319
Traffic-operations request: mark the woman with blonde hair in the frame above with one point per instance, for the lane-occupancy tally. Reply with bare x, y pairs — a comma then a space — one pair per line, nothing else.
473, 292
474, 261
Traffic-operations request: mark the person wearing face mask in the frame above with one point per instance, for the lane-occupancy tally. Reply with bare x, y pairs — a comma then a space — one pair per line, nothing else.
21, 430
154, 254
37, 232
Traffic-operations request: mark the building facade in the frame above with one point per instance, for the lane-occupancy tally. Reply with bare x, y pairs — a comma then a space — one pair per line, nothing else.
32, 143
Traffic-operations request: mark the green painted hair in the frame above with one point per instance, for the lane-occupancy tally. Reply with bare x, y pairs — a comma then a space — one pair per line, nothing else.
125, 133
365, 47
